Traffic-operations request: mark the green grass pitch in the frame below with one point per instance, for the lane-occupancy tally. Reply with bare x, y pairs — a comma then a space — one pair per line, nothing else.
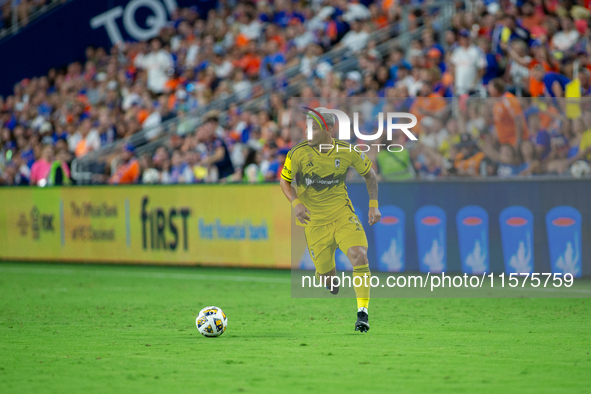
115, 329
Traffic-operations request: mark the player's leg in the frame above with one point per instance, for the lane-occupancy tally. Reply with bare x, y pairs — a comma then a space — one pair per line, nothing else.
352, 240
361, 283
327, 278
322, 248
358, 257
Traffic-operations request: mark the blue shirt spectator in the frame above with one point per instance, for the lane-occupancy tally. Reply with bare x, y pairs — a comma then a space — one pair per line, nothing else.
550, 78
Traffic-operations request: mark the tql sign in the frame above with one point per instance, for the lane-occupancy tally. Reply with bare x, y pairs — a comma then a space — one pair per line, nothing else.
153, 23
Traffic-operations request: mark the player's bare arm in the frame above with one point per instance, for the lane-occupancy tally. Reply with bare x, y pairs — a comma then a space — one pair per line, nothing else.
371, 180
301, 212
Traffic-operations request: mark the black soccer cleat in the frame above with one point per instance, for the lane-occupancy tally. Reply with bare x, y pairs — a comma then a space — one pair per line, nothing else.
335, 290
362, 324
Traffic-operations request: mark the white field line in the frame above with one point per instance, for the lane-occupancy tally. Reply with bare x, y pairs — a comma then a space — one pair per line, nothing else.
147, 275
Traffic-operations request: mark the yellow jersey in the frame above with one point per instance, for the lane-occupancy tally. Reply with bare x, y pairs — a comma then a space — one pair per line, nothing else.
585, 143
320, 178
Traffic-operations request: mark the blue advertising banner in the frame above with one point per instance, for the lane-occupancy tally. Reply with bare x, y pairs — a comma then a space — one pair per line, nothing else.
563, 224
430, 224
512, 208
517, 227
493, 230
389, 239
62, 35
472, 224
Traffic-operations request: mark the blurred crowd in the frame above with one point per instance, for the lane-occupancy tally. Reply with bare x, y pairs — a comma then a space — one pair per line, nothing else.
527, 57
469, 136
19, 11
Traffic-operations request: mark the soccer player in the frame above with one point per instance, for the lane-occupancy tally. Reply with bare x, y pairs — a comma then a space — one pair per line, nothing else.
313, 179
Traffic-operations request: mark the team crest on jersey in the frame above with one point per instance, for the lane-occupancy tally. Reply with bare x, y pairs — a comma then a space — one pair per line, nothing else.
310, 163
337, 163
312, 253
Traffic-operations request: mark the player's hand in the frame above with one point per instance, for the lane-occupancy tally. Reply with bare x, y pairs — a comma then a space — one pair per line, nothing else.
374, 216
302, 213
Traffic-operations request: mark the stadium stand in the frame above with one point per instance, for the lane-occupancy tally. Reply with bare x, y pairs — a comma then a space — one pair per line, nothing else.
15, 14
338, 60
206, 100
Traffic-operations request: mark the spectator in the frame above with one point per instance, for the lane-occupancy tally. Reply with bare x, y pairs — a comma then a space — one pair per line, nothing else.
530, 159
397, 61
86, 139
149, 173
129, 170
428, 163
252, 172
41, 168
157, 63
242, 87
554, 83
275, 166
356, 38
453, 138
152, 122
59, 173
518, 68
353, 82
250, 62
509, 163
179, 172
394, 165
580, 144
567, 37
216, 153
222, 67
428, 104
467, 161
509, 120
506, 159
540, 136
433, 135
9, 177
469, 64
193, 172
304, 38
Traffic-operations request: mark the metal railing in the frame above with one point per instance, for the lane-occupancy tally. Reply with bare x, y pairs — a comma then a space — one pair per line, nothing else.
339, 57
15, 24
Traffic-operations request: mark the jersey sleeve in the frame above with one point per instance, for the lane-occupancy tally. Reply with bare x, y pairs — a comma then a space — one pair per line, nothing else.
286, 171
360, 162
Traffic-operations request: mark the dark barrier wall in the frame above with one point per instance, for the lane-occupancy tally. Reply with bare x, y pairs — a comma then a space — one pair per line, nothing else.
543, 224
61, 36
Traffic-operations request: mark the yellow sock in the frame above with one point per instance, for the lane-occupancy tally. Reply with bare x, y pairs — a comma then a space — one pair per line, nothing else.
362, 291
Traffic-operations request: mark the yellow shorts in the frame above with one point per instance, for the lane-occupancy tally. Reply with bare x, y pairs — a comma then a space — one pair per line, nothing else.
324, 240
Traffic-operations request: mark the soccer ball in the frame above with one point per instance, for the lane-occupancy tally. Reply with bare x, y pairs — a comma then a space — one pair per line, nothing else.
580, 169
212, 321
151, 175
